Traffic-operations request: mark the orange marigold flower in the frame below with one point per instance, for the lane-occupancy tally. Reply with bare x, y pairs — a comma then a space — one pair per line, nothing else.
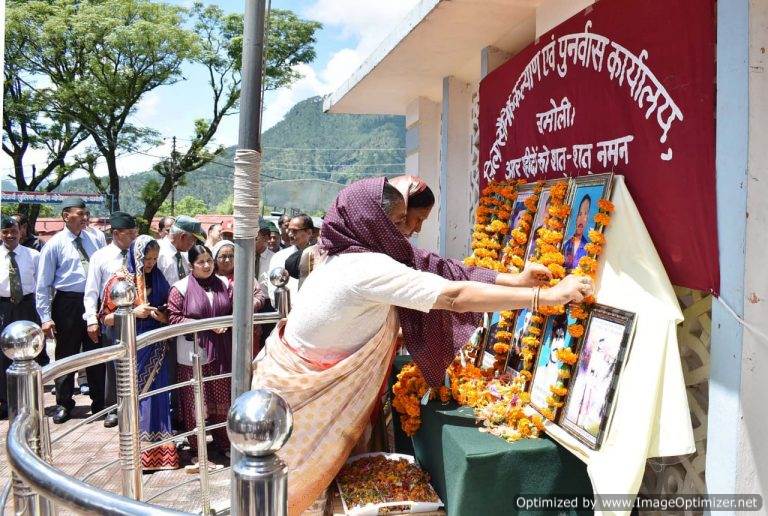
547, 413
518, 262
606, 205
525, 397
552, 237
530, 342
527, 217
563, 374
596, 237
504, 335
526, 374
556, 224
526, 354
546, 248
533, 330
588, 264
602, 219
501, 348
590, 300
558, 390
444, 393
576, 330
519, 237
488, 190
503, 214
507, 314
559, 190
567, 356
577, 312
537, 319
558, 271
531, 202
555, 257
593, 249
538, 422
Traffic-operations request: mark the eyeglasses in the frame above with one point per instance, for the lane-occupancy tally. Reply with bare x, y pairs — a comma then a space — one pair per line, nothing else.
225, 257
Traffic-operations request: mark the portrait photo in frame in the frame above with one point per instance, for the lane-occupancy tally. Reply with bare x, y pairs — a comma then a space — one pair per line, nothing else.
585, 192
540, 218
603, 350
547, 366
518, 209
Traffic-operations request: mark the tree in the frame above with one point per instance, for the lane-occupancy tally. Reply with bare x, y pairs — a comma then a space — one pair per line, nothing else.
28, 124
188, 205
226, 206
290, 42
101, 57
12, 208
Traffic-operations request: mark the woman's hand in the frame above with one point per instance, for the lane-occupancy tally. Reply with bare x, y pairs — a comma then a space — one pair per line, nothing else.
571, 289
142, 311
158, 315
534, 275
109, 319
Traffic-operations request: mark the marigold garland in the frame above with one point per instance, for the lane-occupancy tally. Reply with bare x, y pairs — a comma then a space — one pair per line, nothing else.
579, 311
491, 225
408, 391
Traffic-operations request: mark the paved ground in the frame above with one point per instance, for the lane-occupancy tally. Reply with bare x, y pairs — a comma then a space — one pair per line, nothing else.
92, 447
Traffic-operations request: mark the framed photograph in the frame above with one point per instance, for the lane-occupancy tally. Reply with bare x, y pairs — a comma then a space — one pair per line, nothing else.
604, 347
490, 326
540, 218
514, 358
585, 193
547, 366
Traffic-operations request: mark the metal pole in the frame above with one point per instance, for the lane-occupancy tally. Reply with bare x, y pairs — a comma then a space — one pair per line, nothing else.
22, 341
259, 423
279, 278
249, 138
202, 445
123, 294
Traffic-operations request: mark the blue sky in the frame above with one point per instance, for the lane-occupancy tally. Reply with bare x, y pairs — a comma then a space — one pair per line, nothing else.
352, 29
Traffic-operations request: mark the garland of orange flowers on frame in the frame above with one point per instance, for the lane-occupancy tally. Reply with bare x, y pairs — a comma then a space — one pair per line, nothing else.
579, 311
491, 224
548, 253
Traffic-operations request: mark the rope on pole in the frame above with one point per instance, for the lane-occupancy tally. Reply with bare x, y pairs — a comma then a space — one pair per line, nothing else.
247, 193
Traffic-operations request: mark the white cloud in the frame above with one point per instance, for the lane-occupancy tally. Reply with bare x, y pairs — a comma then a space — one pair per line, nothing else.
365, 22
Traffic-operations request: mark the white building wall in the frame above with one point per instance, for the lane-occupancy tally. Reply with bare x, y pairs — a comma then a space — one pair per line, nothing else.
422, 125
552, 13
752, 455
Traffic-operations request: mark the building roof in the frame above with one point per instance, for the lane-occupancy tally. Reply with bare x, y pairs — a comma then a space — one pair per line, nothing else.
437, 39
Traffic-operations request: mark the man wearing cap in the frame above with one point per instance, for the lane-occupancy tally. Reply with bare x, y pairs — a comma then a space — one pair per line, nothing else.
104, 263
274, 237
172, 260
63, 269
18, 269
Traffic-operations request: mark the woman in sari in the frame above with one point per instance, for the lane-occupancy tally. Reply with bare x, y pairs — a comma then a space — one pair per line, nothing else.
330, 357
202, 295
153, 368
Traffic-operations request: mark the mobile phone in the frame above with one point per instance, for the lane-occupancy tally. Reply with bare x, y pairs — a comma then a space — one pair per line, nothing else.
162, 308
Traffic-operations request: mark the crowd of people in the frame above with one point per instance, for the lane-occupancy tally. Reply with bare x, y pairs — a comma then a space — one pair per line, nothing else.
180, 274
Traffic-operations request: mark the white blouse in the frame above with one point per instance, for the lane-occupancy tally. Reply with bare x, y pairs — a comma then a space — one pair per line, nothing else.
346, 300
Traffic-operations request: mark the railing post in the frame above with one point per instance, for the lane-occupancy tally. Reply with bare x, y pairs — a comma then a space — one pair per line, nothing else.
258, 424
279, 278
22, 341
123, 294
202, 445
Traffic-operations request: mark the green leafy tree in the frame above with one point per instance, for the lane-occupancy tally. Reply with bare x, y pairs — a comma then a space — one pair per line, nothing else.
12, 208
28, 123
188, 205
226, 206
101, 57
290, 42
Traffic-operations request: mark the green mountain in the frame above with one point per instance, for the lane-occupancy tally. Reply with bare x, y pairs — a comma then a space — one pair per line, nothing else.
307, 143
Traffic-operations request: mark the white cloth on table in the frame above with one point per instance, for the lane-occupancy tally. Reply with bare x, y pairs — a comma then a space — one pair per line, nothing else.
651, 416
102, 265
346, 300
27, 259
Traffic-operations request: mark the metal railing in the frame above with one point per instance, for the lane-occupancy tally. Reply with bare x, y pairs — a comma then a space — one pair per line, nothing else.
259, 422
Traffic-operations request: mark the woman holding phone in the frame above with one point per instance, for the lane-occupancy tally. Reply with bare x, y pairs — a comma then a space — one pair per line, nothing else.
153, 367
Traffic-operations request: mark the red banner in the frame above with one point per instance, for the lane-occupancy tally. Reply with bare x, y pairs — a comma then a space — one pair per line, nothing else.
626, 86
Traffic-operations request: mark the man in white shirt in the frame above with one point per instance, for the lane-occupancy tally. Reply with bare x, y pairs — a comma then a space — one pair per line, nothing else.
299, 231
103, 264
18, 270
164, 226
172, 260
63, 269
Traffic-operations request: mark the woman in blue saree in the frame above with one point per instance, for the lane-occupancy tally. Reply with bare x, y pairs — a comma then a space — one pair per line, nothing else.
153, 366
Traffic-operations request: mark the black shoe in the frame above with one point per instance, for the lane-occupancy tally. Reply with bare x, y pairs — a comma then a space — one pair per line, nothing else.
85, 390
61, 415
111, 420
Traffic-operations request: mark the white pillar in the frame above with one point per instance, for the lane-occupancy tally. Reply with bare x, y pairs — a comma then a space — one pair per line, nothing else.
455, 150
422, 158
752, 452
490, 59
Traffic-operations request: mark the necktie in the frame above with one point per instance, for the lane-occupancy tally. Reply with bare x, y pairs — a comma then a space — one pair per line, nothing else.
124, 254
15, 279
180, 266
83, 255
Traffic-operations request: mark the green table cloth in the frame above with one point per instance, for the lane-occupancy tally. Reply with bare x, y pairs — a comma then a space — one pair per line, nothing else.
475, 473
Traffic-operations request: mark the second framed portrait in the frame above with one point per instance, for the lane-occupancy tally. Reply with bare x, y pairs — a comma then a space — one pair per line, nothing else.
547, 366
585, 193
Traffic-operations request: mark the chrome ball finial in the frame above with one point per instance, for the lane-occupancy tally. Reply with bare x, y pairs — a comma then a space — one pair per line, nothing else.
123, 293
22, 340
259, 422
279, 276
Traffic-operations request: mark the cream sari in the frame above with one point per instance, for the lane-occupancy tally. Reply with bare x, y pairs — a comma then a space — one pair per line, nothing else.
331, 406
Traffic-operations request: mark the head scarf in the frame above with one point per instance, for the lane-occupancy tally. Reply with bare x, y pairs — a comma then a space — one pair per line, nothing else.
408, 186
153, 282
356, 223
221, 244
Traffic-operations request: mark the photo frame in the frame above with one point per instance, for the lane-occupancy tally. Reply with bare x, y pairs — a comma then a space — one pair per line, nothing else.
541, 215
604, 348
584, 194
547, 367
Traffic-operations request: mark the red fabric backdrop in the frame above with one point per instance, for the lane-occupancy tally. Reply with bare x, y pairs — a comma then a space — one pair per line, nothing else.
625, 86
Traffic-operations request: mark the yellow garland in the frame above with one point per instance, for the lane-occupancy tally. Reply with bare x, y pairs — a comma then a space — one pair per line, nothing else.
408, 391
579, 311
491, 224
